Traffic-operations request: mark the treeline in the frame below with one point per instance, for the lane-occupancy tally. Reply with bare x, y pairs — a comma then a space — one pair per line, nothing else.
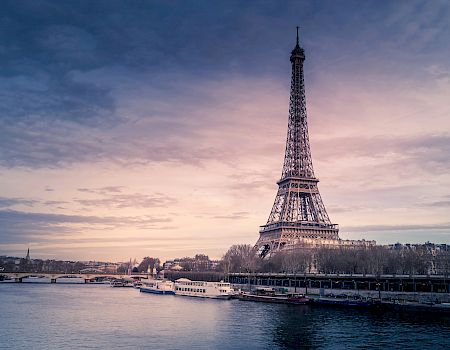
374, 260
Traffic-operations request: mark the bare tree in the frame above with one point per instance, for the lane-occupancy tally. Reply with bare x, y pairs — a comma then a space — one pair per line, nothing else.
443, 263
240, 258
296, 261
272, 264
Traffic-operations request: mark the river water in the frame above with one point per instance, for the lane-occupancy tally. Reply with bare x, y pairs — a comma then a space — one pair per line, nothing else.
57, 316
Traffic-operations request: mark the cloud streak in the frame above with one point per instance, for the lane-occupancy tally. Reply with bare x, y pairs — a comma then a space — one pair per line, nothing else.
18, 224
136, 200
9, 202
172, 116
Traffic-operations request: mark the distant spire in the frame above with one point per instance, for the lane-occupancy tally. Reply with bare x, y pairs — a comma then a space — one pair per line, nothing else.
297, 37
28, 255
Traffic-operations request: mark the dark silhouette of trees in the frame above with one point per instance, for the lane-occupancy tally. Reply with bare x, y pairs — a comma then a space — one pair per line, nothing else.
296, 261
240, 258
148, 262
378, 260
443, 262
273, 263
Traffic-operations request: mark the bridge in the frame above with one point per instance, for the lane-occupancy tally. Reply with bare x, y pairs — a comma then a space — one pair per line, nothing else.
19, 276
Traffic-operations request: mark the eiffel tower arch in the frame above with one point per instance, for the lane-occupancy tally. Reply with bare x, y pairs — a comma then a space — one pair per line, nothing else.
298, 214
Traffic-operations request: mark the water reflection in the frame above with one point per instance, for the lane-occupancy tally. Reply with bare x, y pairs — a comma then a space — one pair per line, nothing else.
306, 327
43, 316
293, 327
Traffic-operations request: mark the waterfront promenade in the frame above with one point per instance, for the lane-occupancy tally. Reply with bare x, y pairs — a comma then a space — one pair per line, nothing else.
406, 287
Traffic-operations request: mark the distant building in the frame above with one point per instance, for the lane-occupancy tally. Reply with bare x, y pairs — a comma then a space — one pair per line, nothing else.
199, 263
106, 267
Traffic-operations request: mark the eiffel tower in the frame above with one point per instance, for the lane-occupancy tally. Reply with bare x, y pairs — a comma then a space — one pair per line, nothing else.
298, 212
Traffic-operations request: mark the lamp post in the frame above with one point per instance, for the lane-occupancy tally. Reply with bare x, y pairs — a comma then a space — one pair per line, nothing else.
379, 290
355, 286
295, 282
306, 286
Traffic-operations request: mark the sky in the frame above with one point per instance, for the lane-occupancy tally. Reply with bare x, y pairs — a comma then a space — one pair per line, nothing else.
157, 128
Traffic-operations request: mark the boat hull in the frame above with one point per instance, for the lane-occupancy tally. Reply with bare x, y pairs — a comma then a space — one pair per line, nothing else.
344, 302
223, 297
156, 291
274, 299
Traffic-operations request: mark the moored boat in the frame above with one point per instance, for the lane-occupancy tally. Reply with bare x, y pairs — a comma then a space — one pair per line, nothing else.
70, 280
36, 279
116, 283
346, 301
203, 289
269, 296
404, 305
158, 287
121, 283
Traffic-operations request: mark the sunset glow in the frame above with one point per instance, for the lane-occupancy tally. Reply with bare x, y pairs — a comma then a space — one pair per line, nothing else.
132, 131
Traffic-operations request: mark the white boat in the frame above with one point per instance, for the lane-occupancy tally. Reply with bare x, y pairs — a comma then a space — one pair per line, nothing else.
7, 280
202, 289
121, 283
158, 287
36, 279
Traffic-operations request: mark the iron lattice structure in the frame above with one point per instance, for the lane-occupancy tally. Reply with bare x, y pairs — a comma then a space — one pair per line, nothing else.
298, 211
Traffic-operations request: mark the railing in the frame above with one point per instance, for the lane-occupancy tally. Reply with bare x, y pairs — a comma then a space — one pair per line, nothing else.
287, 224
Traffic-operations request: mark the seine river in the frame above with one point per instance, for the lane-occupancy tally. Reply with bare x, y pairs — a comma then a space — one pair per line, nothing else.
57, 316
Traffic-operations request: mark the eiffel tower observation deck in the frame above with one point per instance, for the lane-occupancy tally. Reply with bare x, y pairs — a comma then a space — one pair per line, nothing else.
298, 213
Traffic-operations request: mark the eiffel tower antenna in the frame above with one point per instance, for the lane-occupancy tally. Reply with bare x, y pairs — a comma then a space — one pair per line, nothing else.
298, 211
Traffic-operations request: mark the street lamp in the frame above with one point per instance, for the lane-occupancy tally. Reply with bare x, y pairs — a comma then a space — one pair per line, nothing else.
355, 286
379, 290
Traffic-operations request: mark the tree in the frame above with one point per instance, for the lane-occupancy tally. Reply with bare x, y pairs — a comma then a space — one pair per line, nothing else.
377, 260
272, 263
147, 263
443, 262
296, 261
240, 258
325, 259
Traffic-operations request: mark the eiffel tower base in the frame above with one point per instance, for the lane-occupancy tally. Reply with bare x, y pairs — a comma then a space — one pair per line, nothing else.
271, 241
